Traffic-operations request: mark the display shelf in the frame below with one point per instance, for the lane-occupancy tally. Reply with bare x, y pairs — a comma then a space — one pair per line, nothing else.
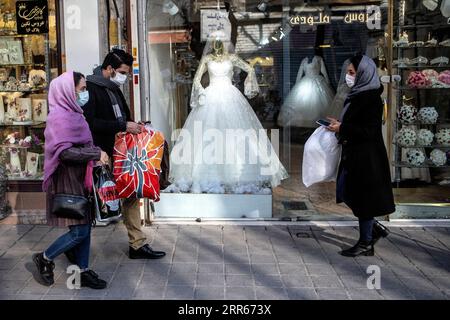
422, 67
432, 146
23, 91
427, 164
404, 88
33, 124
22, 65
423, 47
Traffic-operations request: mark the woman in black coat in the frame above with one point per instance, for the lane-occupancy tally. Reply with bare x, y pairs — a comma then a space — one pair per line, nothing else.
364, 180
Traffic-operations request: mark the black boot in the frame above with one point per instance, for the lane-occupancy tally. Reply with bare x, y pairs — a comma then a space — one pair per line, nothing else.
70, 254
379, 231
145, 252
45, 268
91, 280
360, 248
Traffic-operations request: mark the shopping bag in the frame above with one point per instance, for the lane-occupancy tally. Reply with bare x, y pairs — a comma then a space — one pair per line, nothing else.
137, 164
321, 157
107, 202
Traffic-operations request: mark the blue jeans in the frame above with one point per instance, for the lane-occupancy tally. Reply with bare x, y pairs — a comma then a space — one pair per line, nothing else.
365, 229
78, 239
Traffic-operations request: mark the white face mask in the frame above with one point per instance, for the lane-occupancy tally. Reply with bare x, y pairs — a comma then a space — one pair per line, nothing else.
119, 79
350, 80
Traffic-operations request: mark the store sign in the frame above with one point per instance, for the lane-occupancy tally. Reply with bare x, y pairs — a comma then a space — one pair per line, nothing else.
32, 17
214, 20
349, 18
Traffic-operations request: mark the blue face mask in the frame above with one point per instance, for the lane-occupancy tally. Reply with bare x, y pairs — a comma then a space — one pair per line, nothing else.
82, 98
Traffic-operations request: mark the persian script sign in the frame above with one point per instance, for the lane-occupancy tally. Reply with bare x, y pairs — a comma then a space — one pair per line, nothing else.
32, 17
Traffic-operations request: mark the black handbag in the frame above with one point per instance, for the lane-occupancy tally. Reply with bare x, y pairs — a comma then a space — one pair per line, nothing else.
70, 206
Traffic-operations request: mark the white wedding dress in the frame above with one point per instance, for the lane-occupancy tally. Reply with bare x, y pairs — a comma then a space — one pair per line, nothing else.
311, 97
223, 147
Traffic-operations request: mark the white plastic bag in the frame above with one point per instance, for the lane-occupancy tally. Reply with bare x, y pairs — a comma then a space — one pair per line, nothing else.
320, 157
445, 8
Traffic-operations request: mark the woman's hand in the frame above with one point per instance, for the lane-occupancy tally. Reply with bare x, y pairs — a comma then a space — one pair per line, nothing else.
133, 128
104, 159
334, 126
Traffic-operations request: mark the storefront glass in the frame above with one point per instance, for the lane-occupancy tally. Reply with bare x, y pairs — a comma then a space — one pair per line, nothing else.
297, 51
28, 61
421, 58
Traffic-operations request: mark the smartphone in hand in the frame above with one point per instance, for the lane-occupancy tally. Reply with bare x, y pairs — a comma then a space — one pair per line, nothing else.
323, 123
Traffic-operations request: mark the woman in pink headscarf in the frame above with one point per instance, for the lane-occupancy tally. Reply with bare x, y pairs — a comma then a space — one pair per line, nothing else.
69, 158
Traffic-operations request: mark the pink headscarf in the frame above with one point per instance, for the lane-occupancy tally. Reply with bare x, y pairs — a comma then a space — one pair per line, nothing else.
66, 126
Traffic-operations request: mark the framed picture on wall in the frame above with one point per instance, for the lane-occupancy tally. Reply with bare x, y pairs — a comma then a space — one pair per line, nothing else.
24, 110
39, 110
15, 52
4, 53
32, 163
2, 111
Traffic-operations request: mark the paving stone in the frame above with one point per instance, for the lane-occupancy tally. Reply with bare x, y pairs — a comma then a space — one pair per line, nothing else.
211, 280
132, 268
301, 294
352, 282
400, 293
418, 283
153, 293
326, 282
272, 293
209, 293
151, 280
365, 294
120, 291
320, 269
240, 293
179, 292
237, 268
297, 281
265, 268
259, 258
211, 268
11, 286
182, 279
292, 268
442, 283
268, 281
183, 268
429, 295
239, 280
29, 297
332, 294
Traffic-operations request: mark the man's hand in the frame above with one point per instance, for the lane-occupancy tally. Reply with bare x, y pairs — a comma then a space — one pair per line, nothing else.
334, 126
133, 128
104, 159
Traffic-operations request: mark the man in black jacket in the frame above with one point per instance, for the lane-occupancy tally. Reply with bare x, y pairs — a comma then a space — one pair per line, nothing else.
107, 113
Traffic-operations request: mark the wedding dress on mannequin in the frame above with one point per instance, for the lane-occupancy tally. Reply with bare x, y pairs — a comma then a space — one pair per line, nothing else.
310, 98
223, 147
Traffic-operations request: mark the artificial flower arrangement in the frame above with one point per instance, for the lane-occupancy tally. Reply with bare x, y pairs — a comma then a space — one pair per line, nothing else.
406, 137
14, 139
415, 157
14, 144
428, 115
424, 137
429, 78
443, 137
407, 114
438, 157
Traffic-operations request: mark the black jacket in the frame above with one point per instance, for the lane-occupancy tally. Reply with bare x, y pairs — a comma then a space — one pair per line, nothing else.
100, 115
367, 187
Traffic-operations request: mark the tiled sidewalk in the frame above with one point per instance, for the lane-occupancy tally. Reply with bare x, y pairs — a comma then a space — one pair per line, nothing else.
236, 262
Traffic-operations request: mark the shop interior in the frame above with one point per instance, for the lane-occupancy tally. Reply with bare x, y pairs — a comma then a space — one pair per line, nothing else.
286, 50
